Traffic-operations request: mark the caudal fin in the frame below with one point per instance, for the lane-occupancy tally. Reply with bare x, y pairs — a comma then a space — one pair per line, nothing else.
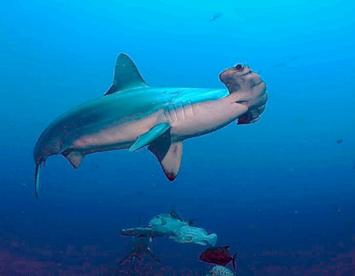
37, 176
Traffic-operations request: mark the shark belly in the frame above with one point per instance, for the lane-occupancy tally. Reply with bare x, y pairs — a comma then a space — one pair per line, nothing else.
114, 137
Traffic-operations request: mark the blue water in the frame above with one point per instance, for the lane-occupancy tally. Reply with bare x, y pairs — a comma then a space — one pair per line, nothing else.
280, 192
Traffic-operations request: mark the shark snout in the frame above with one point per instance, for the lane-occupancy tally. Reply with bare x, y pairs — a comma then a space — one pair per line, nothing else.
241, 78
231, 74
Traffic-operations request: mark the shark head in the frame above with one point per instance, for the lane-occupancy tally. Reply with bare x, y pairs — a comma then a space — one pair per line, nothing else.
233, 77
248, 89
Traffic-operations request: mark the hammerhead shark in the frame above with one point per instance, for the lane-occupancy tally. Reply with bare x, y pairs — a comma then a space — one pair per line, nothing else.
132, 115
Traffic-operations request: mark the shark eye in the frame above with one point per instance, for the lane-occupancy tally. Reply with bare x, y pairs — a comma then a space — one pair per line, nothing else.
239, 67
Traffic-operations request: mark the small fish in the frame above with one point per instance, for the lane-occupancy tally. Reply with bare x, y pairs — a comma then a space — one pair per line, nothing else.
220, 271
218, 256
192, 234
339, 141
216, 16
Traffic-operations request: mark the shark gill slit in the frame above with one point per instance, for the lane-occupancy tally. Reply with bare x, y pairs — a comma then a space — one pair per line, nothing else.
187, 108
183, 112
192, 109
171, 114
167, 115
175, 115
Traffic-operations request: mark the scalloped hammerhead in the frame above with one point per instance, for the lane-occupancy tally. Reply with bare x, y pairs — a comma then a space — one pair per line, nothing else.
132, 115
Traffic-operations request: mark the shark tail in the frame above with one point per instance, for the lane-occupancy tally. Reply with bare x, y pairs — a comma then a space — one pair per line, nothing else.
37, 176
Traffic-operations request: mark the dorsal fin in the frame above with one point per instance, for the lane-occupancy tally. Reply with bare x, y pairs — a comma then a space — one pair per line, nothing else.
126, 75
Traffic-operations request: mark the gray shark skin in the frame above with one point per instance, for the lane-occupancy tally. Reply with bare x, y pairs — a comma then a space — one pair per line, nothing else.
132, 115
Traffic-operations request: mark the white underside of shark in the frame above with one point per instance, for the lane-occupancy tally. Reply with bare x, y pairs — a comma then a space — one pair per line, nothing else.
132, 115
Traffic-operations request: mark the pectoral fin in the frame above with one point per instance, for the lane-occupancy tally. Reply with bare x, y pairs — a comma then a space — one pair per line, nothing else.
150, 136
169, 155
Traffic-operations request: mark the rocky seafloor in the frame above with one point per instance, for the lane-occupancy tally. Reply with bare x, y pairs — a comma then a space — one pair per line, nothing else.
17, 258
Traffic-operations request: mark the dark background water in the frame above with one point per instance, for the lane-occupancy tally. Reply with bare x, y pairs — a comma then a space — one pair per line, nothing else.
280, 192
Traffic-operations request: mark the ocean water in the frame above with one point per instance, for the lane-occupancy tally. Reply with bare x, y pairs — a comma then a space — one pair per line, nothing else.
279, 192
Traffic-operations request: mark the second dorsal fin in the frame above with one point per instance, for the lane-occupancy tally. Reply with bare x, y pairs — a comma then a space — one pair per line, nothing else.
126, 75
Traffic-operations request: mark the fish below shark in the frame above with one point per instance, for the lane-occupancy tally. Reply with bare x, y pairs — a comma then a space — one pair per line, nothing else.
132, 115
